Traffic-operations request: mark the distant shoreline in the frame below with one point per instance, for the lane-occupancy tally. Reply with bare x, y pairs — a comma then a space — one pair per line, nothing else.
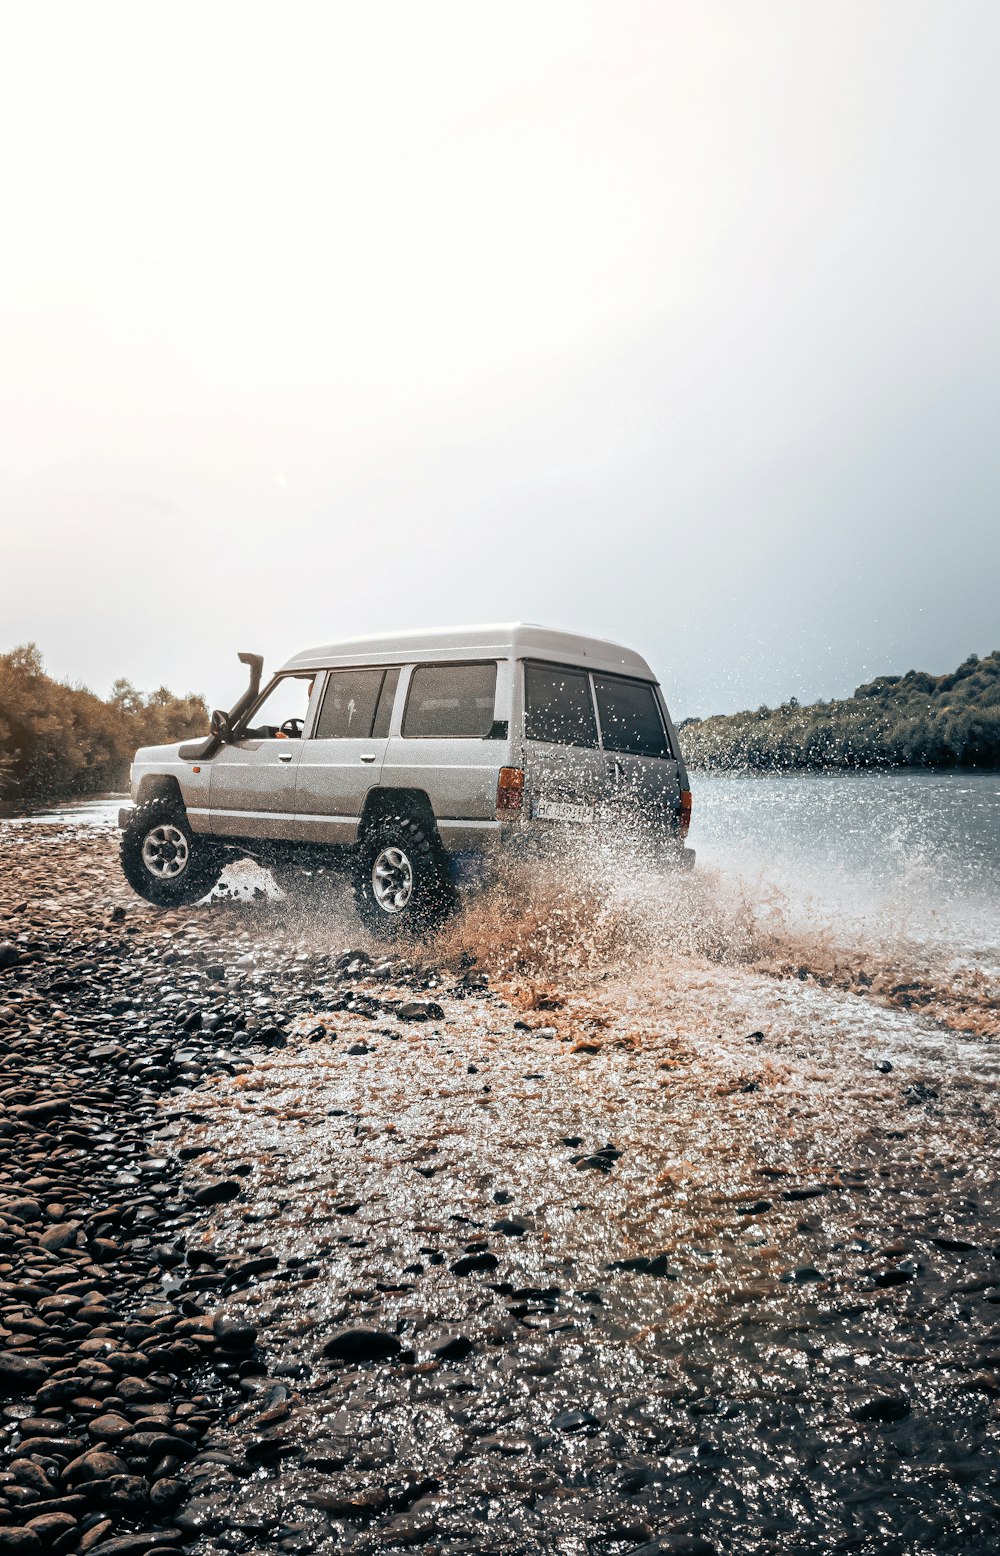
917, 720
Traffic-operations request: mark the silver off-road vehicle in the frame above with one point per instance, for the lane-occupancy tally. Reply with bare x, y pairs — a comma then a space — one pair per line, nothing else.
405, 760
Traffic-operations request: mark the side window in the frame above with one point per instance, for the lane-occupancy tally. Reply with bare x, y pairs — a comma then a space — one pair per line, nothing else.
630, 717
450, 701
558, 707
383, 713
281, 712
349, 704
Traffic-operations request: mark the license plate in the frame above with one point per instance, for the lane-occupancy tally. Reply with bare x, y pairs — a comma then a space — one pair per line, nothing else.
563, 810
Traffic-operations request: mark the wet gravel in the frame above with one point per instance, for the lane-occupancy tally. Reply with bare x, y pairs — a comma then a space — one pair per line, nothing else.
305, 1247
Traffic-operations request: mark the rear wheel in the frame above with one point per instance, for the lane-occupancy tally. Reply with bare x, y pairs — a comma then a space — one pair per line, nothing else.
401, 879
163, 860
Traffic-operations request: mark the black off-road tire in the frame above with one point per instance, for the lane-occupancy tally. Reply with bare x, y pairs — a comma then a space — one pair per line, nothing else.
424, 893
159, 826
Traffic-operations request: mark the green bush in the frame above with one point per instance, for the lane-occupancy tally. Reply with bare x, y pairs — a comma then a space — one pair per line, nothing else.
912, 720
60, 740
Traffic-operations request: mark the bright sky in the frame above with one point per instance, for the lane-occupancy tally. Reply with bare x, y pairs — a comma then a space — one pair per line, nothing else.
671, 323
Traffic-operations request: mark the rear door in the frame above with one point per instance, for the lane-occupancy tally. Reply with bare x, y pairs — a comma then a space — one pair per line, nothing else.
642, 772
565, 775
451, 744
343, 759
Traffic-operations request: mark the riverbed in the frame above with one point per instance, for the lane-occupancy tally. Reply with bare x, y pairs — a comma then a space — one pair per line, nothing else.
671, 1204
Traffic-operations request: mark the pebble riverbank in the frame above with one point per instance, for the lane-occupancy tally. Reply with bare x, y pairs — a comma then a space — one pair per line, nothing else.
313, 1249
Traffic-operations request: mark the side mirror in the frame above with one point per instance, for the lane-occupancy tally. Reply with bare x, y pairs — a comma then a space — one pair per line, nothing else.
220, 724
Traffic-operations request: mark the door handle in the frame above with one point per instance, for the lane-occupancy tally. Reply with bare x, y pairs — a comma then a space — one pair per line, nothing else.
368, 756
283, 758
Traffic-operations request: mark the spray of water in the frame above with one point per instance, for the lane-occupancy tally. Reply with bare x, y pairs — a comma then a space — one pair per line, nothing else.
604, 906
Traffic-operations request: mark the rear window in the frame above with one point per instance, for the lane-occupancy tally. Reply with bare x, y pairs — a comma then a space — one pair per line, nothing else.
448, 702
349, 704
558, 707
630, 717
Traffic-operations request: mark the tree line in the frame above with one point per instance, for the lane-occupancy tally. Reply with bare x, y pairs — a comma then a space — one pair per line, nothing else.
912, 720
58, 740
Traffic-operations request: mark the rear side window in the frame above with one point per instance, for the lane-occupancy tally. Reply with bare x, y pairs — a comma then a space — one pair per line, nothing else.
383, 713
630, 717
450, 702
558, 706
349, 704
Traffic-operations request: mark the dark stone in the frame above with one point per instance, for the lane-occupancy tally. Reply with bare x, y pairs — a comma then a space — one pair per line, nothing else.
219, 1192
9, 955
803, 1272
127, 1494
883, 1066
674, 1545
420, 1010
21, 1374
579, 1423
50, 1526
509, 1228
362, 1345
232, 1333
58, 1237
94, 1465
167, 1494
109, 1428
470, 1263
882, 1408
452, 1347
756, 1207
656, 1266
19, 1542
895, 1277
132, 1544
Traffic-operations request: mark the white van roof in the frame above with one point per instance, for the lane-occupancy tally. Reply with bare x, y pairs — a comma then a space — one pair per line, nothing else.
506, 640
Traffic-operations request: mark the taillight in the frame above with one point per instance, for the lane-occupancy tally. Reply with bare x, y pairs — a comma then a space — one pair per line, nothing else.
684, 814
510, 791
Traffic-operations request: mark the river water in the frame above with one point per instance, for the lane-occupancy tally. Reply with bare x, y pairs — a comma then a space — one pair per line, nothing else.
914, 854
904, 856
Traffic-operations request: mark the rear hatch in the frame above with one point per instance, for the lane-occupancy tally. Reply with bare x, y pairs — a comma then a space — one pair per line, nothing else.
596, 745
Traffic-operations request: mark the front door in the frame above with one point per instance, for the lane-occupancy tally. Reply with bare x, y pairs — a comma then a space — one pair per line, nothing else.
252, 788
341, 761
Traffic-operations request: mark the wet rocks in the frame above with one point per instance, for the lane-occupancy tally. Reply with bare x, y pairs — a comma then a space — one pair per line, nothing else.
362, 1345
233, 1333
656, 1265
21, 1374
10, 956
218, 1192
601, 1161
475, 1263
579, 1423
420, 1010
882, 1408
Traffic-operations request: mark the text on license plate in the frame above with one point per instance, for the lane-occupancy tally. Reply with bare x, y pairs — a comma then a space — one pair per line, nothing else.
563, 810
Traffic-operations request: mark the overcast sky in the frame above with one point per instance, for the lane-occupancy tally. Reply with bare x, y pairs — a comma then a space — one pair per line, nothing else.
671, 323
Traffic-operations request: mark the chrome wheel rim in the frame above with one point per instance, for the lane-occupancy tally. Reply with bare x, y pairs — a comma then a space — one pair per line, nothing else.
165, 851
392, 880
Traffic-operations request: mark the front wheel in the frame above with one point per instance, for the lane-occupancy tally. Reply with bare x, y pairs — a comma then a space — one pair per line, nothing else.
163, 860
401, 879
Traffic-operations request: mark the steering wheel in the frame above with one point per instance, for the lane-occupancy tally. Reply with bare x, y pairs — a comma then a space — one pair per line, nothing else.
292, 729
